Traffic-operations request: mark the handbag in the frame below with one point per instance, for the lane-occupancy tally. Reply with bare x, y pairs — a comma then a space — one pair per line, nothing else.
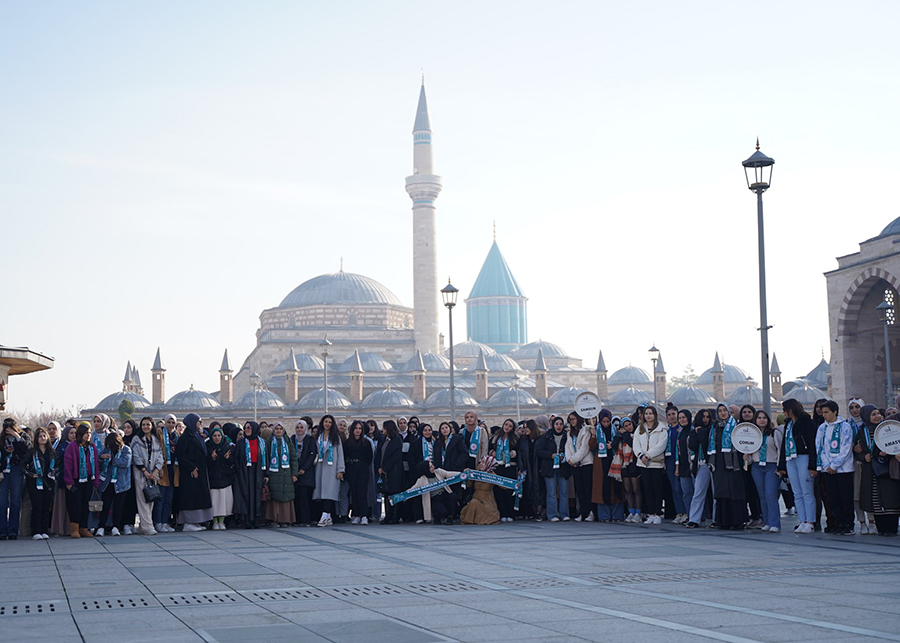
152, 493
95, 504
265, 493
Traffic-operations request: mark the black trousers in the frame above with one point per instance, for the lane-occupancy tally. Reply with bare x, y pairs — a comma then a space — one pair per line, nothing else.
839, 490
358, 476
302, 503
443, 506
41, 506
652, 483
583, 477
886, 523
752, 496
504, 497
114, 502
77, 499
730, 514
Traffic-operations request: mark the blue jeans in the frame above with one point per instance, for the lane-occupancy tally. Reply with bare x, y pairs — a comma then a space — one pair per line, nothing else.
11, 501
701, 485
557, 508
767, 483
686, 490
674, 484
162, 508
610, 512
802, 486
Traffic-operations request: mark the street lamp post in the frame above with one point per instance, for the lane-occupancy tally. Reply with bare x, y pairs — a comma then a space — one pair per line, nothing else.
449, 293
886, 313
324, 346
254, 380
515, 381
760, 166
654, 357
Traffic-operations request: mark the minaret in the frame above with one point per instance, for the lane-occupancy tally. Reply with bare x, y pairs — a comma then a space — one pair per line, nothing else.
291, 388
718, 378
226, 382
423, 188
159, 380
775, 376
481, 378
418, 392
356, 378
661, 382
602, 383
540, 377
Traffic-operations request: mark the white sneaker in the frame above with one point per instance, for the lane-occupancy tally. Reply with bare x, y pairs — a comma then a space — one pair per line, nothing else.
99, 533
161, 528
45, 536
355, 521
566, 519
868, 530
590, 517
766, 528
129, 530
364, 521
115, 532
193, 527
37, 537
554, 519
657, 520
325, 522
152, 532
420, 522
806, 528
774, 530
577, 518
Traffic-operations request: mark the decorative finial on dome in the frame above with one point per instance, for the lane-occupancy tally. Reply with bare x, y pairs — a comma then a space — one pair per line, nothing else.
495, 230
423, 76
192, 387
757, 144
342, 264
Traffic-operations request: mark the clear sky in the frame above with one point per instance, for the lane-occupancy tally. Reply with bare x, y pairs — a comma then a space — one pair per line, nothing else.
170, 169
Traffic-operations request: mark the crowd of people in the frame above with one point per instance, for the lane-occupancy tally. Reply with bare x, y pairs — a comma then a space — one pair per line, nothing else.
95, 479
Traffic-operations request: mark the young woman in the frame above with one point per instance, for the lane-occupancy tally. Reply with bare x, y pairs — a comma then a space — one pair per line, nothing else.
389, 462
305, 445
194, 502
357, 459
249, 461
129, 510
220, 465
727, 465
281, 474
685, 465
581, 460
698, 442
16, 444
330, 470
754, 495
674, 428
550, 450
606, 492
533, 492
763, 465
650, 449
880, 483
59, 525
421, 450
504, 448
148, 465
854, 409
482, 508
798, 461
40, 483
624, 467
834, 446
115, 482
81, 477
102, 424
162, 508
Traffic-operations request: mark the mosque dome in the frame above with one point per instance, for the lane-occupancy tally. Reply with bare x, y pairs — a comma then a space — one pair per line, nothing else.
530, 351
302, 362
630, 397
892, 228
630, 375
264, 400
387, 399
733, 375
496, 362
470, 348
431, 361
315, 401
818, 377
691, 396
806, 395
339, 288
506, 399
440, 400
111, 402
564, 399
192, 400
746, 394
371, 363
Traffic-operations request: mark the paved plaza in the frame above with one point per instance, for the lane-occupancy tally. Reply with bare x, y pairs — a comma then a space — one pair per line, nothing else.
411, 584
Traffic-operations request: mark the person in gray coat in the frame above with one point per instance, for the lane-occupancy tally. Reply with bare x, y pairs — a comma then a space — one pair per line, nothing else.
330, 468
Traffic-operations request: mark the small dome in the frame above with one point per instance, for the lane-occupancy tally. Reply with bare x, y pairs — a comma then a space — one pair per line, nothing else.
530, 351
733, 375
371, 363
787, 387
191, 400
564, 398
339, 288
111, 402
315, 401
806, 395
692, 397
818, 377
432, 362
264, 400
506, 399
387, 399
469, 349
630, 375
630, 397
892, 228
746, 394
302, 362
497, 362
440, 400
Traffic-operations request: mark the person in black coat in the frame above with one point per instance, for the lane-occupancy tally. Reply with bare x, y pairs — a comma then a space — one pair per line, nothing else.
550, 450
305, 444
195, 504
800, 465
421, 450
248, 507
450, 454
389, 463
221, 470
504, 448
357, 458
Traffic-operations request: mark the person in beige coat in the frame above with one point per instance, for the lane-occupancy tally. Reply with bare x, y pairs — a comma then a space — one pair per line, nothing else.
650, 450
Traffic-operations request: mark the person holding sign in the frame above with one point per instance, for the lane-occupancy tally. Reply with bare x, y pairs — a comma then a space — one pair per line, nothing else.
727, 465
834, 447
763, 465
879, 491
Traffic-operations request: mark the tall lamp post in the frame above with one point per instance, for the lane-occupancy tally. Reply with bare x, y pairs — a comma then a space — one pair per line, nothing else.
324, 345
886, 314
515, 383
760, 166
449, 293
654, 357
254, 380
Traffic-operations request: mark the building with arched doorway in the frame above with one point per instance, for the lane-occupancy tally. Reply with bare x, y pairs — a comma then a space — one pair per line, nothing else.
861, 282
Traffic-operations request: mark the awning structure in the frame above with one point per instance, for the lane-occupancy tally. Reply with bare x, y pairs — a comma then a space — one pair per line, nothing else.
19, 361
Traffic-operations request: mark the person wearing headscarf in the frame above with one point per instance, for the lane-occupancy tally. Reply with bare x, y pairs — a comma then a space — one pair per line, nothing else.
81, 475
727, 465
101, 424
305, 446
220, 465
232, 431
854, 417
606, 492
195, 502
879, 492
249, 460
59, 523
280, 476
40, 482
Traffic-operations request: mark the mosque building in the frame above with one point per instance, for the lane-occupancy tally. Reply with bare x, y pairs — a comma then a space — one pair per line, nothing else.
386, 359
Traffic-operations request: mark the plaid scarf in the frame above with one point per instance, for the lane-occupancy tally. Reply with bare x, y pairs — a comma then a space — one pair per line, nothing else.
622, 458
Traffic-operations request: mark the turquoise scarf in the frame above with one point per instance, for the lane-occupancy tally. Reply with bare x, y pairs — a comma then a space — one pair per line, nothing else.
82, 463
503, 451
790, 445
279, 457
763, 450
601, 441
39, 470
854, 426
168, 450
475, 442
262, 452
329, 460
726, 437
834, 444
427, 450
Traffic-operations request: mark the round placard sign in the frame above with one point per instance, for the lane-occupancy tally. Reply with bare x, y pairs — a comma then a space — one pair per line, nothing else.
887, 437
746, 438
588, 405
